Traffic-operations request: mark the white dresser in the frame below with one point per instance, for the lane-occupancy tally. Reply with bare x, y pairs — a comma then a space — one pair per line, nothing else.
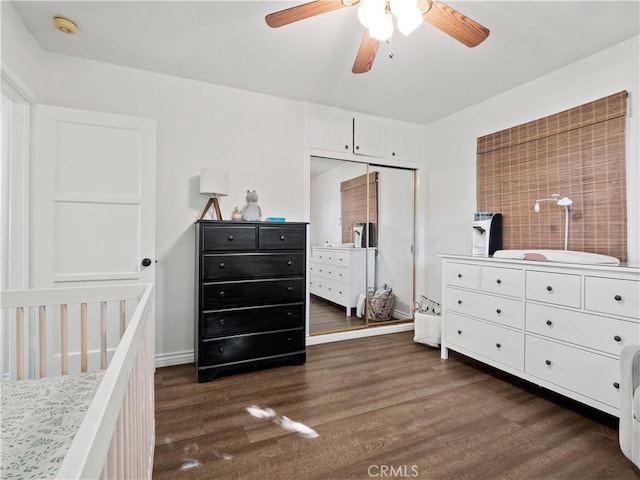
560, 326
338, 274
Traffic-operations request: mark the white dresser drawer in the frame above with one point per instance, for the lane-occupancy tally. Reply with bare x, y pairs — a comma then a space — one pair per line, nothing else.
589, 374
336, 273
593, 331
556, 288
504, 281
613, 296
505, 311
491, 341
462, 275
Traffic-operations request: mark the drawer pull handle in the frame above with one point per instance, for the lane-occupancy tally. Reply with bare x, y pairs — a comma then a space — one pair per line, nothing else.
289, 314
459, 302
498, 345
282, 238
459, 275
459, 332
549, 322
549, 288
230, 238
221, 294
221, 264
616, 385
289, 289
221, 349
289, 263
618, 298
498, 311
617, 338
498, 281
548, 362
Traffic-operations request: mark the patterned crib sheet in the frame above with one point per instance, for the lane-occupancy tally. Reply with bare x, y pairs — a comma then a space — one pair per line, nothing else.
38, 421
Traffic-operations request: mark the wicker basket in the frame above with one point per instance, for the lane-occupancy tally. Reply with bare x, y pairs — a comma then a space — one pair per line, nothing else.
380, 309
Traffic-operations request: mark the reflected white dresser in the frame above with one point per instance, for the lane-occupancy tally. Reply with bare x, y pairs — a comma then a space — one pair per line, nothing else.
338, 274
561, 326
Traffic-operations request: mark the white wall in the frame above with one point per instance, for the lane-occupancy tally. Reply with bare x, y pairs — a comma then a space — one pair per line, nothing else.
450, 146
257, 138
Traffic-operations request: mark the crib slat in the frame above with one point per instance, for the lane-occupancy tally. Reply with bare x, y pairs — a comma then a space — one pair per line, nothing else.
64, 345
83, 337
19, 343
103, 335
123, 313
42, 340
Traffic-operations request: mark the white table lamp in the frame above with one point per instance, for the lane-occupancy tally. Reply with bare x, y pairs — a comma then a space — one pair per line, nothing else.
215, 183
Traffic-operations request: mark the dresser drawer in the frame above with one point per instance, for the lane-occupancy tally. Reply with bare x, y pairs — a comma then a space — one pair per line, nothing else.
593, 331
228, 238
223, 323
254, 292
328, 289
251, 347
281, 238
613, 296
556, 288
462, 275
490, 341
589, 374
328, 256
251, 265
505, 311
504, 281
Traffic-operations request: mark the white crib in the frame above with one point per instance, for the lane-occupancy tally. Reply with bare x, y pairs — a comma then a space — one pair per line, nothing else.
52, 341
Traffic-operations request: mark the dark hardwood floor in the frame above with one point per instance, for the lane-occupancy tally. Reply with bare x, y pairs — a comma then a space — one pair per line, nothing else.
327, 317
383, 407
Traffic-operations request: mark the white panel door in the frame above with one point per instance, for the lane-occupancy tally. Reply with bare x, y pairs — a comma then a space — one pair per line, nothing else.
93, 194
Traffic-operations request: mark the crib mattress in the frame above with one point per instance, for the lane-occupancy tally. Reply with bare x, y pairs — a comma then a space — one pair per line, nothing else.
39, 419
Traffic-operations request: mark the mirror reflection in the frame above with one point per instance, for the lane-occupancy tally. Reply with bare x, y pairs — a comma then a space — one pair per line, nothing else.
361, 230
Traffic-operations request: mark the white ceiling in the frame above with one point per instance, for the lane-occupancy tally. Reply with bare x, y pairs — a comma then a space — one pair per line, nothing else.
430, 76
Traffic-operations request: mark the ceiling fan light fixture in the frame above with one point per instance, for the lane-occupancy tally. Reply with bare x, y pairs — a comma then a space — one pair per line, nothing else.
408, 19
383, 28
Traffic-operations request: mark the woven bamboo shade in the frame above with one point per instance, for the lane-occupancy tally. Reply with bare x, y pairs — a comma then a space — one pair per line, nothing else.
353, 203
578, 153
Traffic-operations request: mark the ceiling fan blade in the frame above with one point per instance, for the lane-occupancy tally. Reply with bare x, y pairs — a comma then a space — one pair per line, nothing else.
366, 54
300, 12
453, 23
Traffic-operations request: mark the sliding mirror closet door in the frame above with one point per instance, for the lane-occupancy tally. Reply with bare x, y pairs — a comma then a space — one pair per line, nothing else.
338, 262
392, 291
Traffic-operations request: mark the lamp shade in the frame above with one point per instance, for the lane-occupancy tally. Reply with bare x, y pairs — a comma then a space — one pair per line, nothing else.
214, 182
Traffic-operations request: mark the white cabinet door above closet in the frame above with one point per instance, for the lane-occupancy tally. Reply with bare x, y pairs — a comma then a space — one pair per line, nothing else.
330, 129
369, 137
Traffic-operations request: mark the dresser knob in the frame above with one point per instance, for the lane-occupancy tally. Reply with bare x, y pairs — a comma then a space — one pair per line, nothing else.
221, 321
616, 385
289, 314
289, 263
459, 332
498, 345
282, 238
459, 275
498, 281
617, 338
221, 264
459, 302
498, 311
221, 294
221, 349
617, 298
548, 362
230, 238
549, 322
549, 288
289, 289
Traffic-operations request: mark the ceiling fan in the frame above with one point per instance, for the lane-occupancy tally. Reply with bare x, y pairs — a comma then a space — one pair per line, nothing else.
376, 16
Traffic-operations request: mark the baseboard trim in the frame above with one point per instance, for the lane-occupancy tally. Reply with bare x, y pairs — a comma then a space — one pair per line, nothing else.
175, 358
181, 358
358, 333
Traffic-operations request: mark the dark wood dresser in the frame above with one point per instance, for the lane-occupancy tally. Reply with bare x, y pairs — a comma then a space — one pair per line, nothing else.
250, 295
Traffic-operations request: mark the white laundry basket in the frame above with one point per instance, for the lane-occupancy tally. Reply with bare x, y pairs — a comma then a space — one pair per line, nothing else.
427, 328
